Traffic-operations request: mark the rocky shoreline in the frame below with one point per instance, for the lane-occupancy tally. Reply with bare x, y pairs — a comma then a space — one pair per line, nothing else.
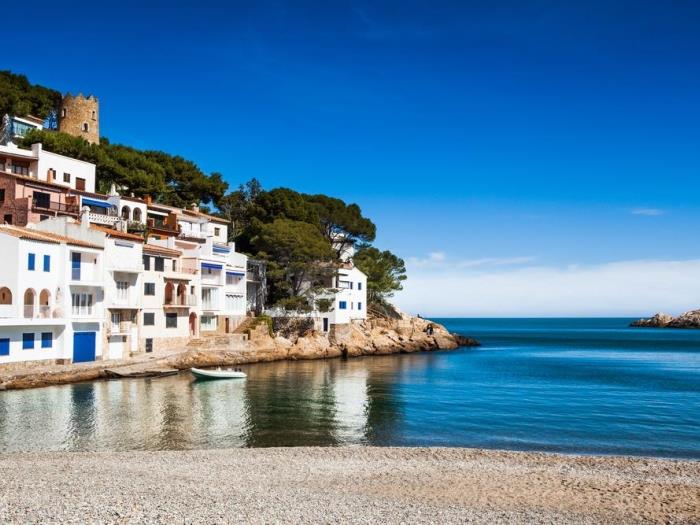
378, 336
345, 485
689, 320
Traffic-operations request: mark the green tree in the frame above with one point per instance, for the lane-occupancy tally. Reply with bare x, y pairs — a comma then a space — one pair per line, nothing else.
385, 272
21, 98
236, 207
342, 224
299, 258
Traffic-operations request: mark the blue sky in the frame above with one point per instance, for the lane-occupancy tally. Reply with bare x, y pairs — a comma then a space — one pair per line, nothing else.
503, 138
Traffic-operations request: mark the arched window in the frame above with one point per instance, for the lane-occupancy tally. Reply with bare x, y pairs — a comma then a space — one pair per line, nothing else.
45, 304
169, 288
137, 214
63, 113
93, 114
126, 213
181, 292
86, 126
5, 295
29, 297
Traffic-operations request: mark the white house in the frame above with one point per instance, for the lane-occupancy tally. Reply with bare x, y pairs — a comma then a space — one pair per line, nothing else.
51, 297
43, 165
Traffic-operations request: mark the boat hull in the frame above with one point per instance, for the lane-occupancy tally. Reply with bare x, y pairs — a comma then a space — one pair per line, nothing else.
217, 374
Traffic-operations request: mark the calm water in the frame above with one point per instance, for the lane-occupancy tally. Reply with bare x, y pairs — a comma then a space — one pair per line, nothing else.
578, 386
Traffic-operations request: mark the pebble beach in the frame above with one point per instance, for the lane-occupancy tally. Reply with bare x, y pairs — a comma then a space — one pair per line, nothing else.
345, 484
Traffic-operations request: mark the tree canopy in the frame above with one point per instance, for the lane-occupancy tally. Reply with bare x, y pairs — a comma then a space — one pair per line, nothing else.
385, 272
19, 97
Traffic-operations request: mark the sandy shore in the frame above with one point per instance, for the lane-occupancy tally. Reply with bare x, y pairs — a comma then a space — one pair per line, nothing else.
359, 485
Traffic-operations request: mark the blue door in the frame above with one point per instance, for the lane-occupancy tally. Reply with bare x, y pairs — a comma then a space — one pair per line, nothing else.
83, 347
4, 346
75, 266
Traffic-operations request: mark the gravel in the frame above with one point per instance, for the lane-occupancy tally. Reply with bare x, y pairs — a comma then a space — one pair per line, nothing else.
350, 485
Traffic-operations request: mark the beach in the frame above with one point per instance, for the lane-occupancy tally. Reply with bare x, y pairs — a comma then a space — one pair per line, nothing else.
345, 484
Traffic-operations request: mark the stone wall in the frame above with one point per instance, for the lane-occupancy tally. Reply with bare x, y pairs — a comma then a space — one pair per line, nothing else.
78, 111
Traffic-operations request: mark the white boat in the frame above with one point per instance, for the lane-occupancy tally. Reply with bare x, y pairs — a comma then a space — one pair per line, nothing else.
218, 373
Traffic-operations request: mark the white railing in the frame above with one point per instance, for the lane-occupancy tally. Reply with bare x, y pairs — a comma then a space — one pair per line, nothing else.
82, 311
40, 312
99, 218
192, 235
181, 300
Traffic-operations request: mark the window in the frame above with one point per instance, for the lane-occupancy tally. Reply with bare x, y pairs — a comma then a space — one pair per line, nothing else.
234, 302
75, 266
343, 305
159, 266
93, 114
122, 291
27, 341
86, 127
208, 298
146, 262
359, 286
171, 320
2, 195
149, 345
46, 339
63, 113
20, 168
149, 319
7, 218
174, 265
81, 303
79, 184
47, 263
359, 306
31, 258
66, 177
149, 288
217, 231
41, 200
4, 346
208, 322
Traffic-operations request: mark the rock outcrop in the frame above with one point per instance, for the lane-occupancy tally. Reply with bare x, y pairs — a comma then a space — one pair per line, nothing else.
375, 336
689, 319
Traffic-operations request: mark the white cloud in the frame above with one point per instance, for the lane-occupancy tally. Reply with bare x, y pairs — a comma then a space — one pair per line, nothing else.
440, 261
649, 212
625, 288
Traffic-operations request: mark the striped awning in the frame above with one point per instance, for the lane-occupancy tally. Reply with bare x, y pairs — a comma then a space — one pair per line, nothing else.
235, 274
212, 266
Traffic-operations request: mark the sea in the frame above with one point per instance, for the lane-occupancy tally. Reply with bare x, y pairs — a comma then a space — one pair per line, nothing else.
572, 386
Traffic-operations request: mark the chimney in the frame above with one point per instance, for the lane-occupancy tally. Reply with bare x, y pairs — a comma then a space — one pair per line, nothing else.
85, 217
113, 189
148, 200
195, 207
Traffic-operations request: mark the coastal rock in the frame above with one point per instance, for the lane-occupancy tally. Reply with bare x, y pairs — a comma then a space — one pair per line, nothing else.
689, 319
658, 321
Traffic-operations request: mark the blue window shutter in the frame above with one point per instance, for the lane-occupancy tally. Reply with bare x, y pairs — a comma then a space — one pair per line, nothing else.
27, 341
359, 286
75, 266
46, 339
47, 263
4, 346
343, 305
359, 306
30, 261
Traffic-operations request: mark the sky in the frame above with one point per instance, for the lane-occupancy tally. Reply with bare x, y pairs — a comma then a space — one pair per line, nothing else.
525, 158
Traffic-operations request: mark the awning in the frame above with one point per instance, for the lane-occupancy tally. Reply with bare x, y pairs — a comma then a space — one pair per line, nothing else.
93, 202
212, 266
235, 274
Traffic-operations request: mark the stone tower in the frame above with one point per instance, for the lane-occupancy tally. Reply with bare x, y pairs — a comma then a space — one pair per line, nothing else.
80, 116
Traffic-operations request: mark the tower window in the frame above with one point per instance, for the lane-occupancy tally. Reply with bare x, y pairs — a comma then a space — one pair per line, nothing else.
93, 114
63, 113
86, 126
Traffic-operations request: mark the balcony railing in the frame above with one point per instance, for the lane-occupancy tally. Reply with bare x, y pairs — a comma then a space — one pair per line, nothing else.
101, 218
192, 235
59, 207
180, 300
40, 312
82, 311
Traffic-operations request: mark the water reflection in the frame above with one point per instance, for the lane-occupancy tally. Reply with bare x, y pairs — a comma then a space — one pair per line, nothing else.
307, 403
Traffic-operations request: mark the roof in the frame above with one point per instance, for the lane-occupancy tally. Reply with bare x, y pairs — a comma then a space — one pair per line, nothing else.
116, 233
206, 215
152, 249
42, 236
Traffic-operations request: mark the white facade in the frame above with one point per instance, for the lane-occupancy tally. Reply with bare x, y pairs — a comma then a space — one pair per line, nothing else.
48, 167
52, 295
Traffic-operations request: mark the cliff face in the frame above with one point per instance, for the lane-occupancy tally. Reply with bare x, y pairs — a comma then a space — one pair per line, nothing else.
689, 319
371, 337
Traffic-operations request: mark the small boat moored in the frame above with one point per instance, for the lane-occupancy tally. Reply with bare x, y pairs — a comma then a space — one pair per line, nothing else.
217, 373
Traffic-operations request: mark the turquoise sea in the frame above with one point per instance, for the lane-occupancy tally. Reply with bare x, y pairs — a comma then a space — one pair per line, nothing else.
590, 386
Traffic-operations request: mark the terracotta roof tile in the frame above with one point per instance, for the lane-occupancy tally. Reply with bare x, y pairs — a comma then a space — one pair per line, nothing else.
152, 249
116, 233
42, 236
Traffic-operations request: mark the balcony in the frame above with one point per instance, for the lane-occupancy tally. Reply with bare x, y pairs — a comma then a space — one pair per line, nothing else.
57, 207
192, 235
180, 301
121, 328
107, 219
84, 311
40, 312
